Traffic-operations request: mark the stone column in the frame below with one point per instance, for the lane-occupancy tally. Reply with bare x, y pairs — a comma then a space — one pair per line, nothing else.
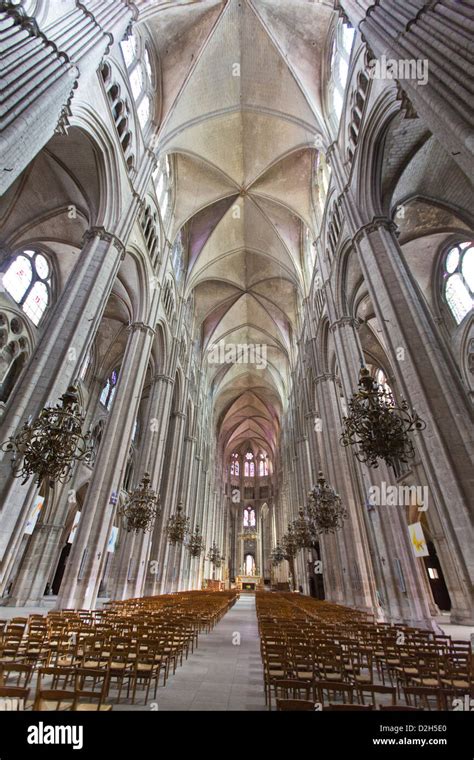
168, 553
149, 459
43, 68
73, 320
428, 378
84, 569
190, 505
385, 526
441, 34
161, 421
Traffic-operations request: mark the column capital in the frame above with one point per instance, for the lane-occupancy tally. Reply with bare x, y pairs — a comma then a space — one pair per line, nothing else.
133, 8
103, 234
50, 526
378, 222
324, 377
164, 379
142, 327
344, 322
330, 150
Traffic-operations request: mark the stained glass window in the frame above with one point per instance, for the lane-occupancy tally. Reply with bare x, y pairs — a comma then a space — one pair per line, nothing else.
85, 366
140, 72
147, 62
135, 430
129, 49
381, 379
249, 517
143, 111
162, 179
249, 466
36, 302
340, 67
28, 281
108, 391
136, 81
459, 279
234, 465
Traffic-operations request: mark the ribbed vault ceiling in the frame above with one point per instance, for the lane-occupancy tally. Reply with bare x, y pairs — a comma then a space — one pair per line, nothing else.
241, 110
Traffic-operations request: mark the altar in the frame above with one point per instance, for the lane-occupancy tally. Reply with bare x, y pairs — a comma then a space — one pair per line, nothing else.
249, 582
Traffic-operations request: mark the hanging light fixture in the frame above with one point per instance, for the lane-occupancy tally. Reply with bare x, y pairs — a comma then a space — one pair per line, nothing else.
289, 543
49, 446
277, 555
141, 507
214, 555
304, 530
195, 545
290, 549
178, 526
377, 426
325, 507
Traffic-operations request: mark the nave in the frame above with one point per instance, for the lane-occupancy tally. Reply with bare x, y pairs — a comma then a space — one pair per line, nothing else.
236, 356
225, 651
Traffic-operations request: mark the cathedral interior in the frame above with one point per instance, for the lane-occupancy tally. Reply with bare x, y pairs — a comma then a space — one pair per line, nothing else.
236, 354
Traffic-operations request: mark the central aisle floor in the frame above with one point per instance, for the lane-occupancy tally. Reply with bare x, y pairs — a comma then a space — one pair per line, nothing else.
220, 675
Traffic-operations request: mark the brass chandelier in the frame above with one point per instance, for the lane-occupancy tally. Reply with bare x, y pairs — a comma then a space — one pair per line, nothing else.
49, 446
277, 555
325, 507
214, 555
377, 426
141, 507
178, 526
304, 530
289, 543
195, 545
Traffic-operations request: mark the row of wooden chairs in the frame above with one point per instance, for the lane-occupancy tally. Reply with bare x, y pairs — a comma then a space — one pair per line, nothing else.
126, 648
316, 644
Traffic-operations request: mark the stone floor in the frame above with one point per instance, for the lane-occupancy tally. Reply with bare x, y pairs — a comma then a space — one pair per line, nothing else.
221, 674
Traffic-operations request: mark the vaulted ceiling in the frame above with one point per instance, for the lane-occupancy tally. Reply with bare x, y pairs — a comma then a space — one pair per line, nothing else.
241, 112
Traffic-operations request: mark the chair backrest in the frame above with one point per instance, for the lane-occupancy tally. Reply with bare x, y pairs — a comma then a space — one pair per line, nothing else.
374, 689
291, 688
332, 707
424, 695
23, 672
295, 705
54, 699
17, 693
96, 691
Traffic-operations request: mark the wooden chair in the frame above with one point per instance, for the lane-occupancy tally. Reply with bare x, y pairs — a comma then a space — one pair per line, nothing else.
429, 697
17, 695
54, 699
320, 688
90, 698
295, 705
376, 689
348, 708
22, 673
120, 666
292, 688
147, 669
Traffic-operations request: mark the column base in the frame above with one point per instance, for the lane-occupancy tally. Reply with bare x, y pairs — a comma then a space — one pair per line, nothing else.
48, 602
462, 618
